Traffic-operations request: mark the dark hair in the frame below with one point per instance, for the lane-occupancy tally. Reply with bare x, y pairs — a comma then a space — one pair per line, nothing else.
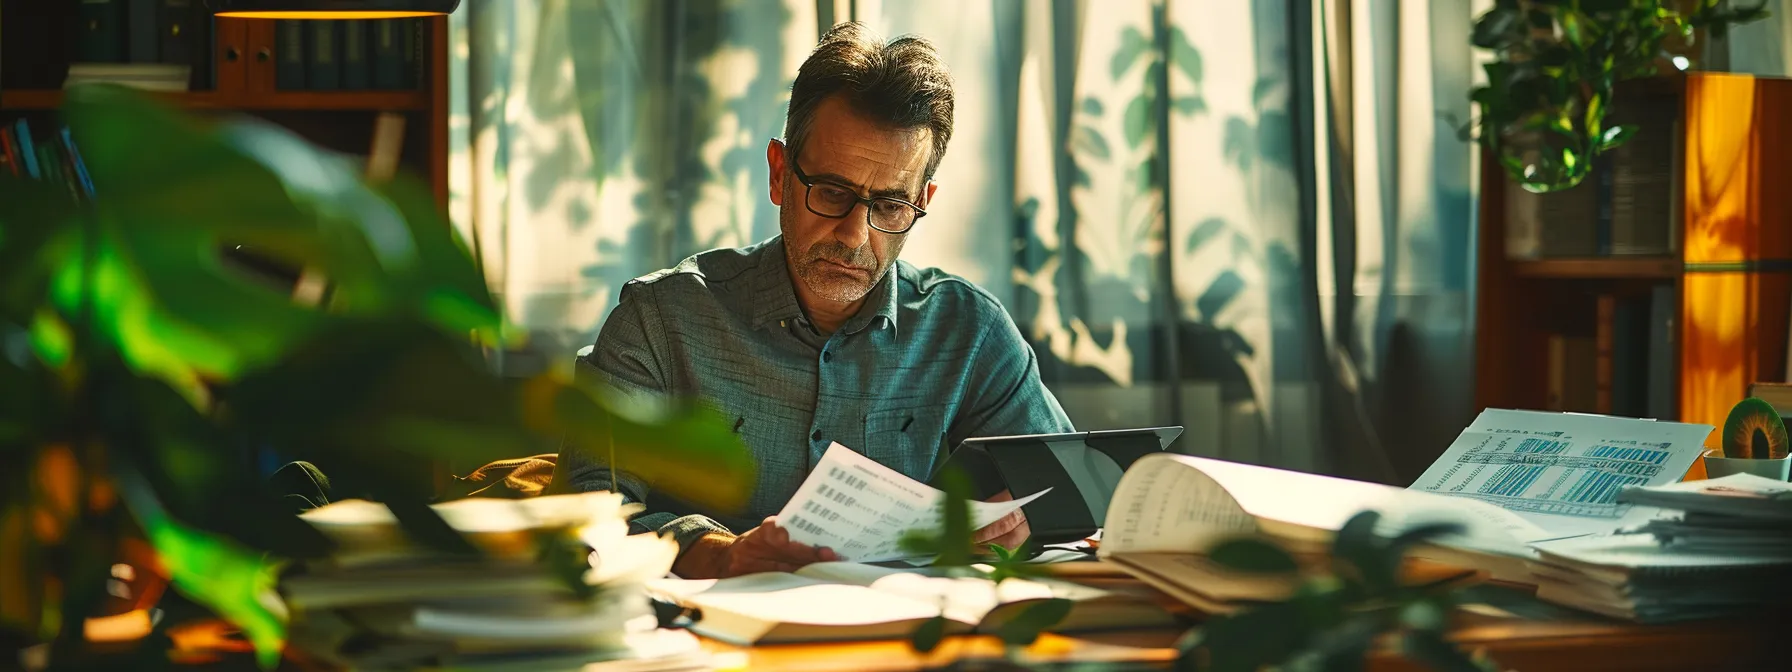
900, 84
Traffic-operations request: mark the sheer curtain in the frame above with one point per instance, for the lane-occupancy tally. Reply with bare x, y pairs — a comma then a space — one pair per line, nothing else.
1222, 215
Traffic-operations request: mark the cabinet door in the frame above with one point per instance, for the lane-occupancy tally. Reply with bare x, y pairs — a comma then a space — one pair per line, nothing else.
231, 45
262, 62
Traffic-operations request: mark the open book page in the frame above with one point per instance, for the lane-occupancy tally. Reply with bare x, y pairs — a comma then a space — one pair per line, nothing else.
1563, 471
746, 609
846, 594
1166, 504
860, 508
1184, 504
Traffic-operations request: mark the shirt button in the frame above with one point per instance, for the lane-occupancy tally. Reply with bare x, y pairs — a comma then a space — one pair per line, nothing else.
816, 436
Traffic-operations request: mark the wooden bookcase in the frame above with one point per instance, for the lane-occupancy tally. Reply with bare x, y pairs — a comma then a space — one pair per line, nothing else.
1731, 269
243, 53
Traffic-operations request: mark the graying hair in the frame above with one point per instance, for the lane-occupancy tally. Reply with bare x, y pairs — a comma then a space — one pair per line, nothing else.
899, 84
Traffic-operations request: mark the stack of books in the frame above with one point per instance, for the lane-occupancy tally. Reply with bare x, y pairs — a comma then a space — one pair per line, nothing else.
146, 76
557, 581
1721, 548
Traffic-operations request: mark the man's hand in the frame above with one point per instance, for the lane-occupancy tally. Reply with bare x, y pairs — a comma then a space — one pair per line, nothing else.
1009, 531
766, 548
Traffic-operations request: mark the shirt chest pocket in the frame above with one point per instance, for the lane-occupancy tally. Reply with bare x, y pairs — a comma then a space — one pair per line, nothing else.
907, 440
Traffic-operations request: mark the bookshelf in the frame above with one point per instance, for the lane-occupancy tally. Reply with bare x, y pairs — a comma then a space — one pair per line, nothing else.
1722, 295
241, 60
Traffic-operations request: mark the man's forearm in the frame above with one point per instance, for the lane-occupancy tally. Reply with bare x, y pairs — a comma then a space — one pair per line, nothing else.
706, 557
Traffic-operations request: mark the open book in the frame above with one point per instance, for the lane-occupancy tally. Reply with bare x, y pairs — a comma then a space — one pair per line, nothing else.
852, 601
1513, 478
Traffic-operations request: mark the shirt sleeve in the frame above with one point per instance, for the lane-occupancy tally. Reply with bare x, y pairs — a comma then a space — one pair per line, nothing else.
1006, 397
624, 364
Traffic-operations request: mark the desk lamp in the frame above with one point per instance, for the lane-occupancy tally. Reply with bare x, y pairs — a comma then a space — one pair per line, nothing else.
330, 9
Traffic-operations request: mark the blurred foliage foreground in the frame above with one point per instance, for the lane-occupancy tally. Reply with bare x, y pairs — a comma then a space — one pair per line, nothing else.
143, 374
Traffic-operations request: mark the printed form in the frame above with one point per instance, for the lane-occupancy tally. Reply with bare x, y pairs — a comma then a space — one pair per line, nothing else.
1563, 471
860, 508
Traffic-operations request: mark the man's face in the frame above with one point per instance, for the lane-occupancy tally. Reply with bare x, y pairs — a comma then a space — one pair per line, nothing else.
840, 260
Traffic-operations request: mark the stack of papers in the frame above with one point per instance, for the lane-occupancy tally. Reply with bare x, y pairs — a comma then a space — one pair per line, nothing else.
1718, 549
382, 601
860, 508
1740, 515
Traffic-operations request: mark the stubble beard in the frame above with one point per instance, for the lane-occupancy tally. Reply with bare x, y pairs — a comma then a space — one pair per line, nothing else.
829, 283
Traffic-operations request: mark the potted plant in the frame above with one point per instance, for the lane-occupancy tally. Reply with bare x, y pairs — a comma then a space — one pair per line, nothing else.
1754, 441
1555, 66
141, 370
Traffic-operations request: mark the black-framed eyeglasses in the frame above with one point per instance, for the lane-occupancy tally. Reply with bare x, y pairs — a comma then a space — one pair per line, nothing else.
836, 201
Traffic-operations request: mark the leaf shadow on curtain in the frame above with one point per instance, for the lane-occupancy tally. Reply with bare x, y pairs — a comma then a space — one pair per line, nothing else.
652, 103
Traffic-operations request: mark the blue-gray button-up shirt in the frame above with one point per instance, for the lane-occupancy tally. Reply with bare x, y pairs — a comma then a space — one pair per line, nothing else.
929, 361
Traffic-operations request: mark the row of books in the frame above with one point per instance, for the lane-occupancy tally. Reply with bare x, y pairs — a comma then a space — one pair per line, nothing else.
52, 157
1626, 366
1628, 206
349, 54
172, 45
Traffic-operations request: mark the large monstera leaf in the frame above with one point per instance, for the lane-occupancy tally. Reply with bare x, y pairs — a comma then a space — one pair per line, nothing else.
173, 193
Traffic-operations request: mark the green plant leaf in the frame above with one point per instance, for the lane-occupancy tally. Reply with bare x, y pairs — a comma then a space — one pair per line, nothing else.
36, 236
1258, 637
1422, 533
1088, 141
1185, 57
1025, 627
1260, 91
1132, 45
684, 448
236, 583
1239, 143
1441, 654
1138, 120
1424, 615
920, 543
929, 634
1253, 555
179, 194
1497, 28
1205, 231
1615, 136
379, 395
1092, 106
1571, 27
1358, 548
1189, 105
955, 519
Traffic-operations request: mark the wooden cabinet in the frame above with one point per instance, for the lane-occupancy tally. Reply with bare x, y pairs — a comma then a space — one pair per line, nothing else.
1729, 275
243, 81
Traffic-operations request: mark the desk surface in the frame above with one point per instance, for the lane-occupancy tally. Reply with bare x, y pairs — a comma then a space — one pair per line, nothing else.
1515, 645
1591, 644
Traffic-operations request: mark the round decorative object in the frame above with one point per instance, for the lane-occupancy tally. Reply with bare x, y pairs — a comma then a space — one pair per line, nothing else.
330, 9
1754, 430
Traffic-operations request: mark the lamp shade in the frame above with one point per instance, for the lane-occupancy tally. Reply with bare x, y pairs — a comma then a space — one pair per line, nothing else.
330, 9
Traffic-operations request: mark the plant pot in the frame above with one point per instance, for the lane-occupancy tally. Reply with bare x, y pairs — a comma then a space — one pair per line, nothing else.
1717, 466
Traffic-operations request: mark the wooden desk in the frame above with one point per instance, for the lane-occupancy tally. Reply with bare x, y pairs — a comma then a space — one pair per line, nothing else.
1515, 645
1592, 643
1528, 646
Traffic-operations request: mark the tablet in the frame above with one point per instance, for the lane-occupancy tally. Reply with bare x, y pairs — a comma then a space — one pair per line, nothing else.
1081, 468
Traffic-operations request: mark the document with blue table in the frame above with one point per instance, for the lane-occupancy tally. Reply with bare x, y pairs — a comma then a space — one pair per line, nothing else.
1511, 479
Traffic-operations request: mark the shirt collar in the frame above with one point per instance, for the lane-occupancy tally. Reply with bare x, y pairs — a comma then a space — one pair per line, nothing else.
774, 298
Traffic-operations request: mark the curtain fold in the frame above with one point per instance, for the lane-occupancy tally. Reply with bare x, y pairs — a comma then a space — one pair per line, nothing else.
1241, 217
1395, 232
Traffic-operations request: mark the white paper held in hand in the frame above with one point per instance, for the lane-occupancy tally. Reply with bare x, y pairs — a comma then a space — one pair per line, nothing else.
860, 508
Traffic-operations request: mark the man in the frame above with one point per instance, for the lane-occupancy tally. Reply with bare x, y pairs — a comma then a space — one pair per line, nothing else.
820, 335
